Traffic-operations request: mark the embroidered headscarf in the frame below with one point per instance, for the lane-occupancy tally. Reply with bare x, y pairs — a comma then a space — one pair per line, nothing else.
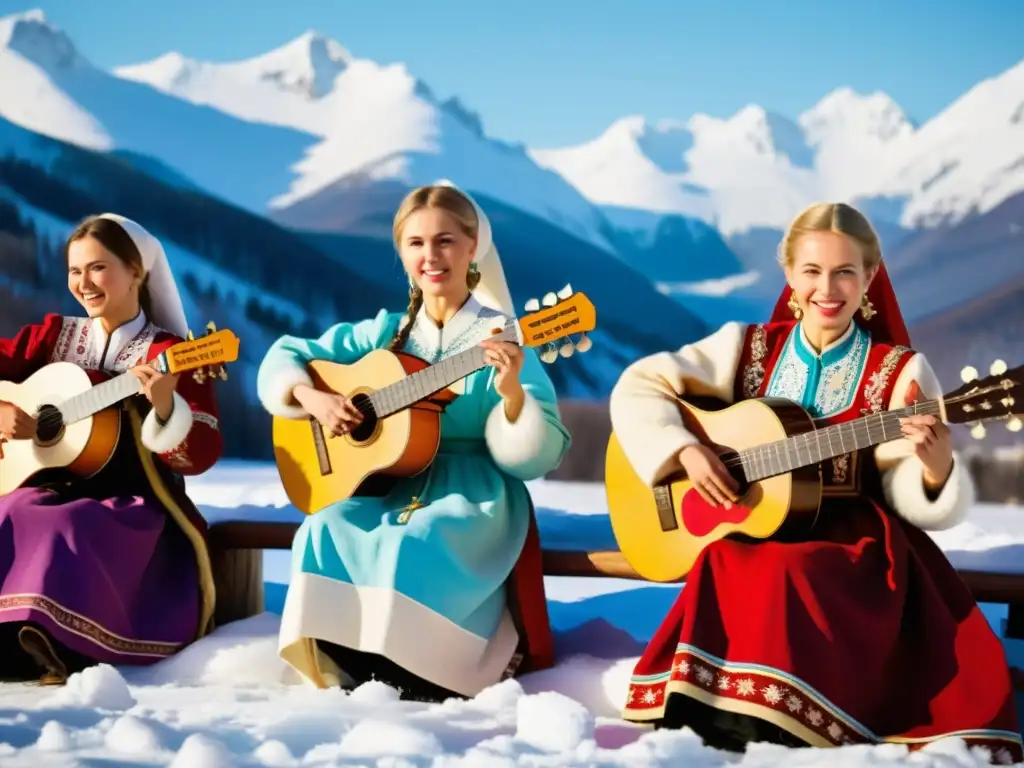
886, 326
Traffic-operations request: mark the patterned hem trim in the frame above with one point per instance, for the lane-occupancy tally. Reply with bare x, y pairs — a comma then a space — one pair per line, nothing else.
783, 700
753, 371
85, 628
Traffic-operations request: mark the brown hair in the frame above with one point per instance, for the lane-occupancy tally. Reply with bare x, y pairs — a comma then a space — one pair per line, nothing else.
840, 218
115, 239
456, 205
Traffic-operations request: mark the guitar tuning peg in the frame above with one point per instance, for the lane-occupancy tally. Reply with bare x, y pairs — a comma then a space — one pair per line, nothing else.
968, 374
222, 373
549, 300
191, 336
567, 348
211, 328
566, 292
584, 344
998, 368
531, 305
199, 375
1014, 424
549, 354
978, 431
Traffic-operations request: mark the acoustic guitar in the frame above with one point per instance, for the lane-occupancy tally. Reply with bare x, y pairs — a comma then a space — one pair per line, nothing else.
77, 423
773, 448
402, 398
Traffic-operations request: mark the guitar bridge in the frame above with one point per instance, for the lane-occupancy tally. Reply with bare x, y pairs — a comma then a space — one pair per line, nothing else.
320, 442
666, 512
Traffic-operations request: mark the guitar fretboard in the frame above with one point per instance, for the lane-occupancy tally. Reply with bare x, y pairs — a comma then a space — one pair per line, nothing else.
422, 384
801, 450
99, 397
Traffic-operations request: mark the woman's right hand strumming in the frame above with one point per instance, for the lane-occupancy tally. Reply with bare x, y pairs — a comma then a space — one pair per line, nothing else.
336, 413
708, 475
15, 424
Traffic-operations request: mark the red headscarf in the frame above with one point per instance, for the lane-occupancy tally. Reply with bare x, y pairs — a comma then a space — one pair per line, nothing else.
886, 326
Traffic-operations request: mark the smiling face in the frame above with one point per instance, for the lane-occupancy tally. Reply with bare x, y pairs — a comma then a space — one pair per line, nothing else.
828, 278
104, 285
436, 252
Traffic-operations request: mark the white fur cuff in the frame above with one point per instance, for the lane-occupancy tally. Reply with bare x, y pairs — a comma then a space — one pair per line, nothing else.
904, 490
277, 395
172, 434
513, 445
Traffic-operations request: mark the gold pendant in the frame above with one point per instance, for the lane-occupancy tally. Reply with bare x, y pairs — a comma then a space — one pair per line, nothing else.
408, 509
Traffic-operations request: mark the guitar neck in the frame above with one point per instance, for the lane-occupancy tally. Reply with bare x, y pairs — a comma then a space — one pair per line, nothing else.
818, 445
99, 397
422, 384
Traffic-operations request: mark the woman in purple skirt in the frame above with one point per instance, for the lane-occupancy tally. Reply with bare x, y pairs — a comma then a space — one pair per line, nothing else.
113, 568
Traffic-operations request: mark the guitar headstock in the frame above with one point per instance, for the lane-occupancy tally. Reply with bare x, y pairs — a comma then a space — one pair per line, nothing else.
555, 318
1000, 395
205, 356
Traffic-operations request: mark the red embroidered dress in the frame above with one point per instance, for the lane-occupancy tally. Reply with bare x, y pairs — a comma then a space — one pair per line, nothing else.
114, 567
862, 634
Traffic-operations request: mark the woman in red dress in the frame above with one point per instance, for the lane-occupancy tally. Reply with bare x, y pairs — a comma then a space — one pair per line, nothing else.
113, 568
864, 633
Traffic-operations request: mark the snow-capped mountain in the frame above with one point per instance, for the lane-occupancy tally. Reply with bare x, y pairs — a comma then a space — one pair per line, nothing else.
757, 169
748, 171
285, 87
852, 137
376, 122
309, 114
46, 86
968, 159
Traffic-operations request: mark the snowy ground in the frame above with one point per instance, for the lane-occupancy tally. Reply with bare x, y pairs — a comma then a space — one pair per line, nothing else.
228, 701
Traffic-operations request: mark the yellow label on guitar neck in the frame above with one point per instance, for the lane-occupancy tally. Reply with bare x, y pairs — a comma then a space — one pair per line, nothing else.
214, 349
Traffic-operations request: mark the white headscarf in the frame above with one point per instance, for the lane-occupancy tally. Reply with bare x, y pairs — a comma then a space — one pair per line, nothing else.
492, 290
167, 310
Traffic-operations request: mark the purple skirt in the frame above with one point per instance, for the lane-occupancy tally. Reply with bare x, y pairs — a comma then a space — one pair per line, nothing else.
113, 580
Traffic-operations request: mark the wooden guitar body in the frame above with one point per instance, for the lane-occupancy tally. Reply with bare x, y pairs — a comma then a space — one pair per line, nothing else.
661, 531
83, 447
402, 398
317, 470
78, 419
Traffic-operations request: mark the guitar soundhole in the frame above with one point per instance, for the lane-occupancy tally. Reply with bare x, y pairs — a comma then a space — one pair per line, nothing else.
49, 425
365, 430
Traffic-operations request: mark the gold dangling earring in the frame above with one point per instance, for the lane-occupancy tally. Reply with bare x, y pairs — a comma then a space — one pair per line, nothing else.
867, 309
794, 307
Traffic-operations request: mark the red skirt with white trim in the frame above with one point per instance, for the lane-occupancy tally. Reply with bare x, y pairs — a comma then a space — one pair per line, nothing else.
864, 635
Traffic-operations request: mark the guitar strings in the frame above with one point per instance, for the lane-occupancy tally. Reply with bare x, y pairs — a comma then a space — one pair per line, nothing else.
367, 407
858, 428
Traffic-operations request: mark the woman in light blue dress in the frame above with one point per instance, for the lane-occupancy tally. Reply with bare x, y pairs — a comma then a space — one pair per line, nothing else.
411, 588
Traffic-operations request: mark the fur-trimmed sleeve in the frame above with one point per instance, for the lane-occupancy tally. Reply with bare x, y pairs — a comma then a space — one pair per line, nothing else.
190, 441
284, 366
536, 441
644, 410
30, 349
903, 472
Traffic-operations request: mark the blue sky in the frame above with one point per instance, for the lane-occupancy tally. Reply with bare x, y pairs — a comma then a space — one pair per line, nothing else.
557, 72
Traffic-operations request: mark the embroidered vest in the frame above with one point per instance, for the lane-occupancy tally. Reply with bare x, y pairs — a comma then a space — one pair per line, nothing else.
852, 378
74, 345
